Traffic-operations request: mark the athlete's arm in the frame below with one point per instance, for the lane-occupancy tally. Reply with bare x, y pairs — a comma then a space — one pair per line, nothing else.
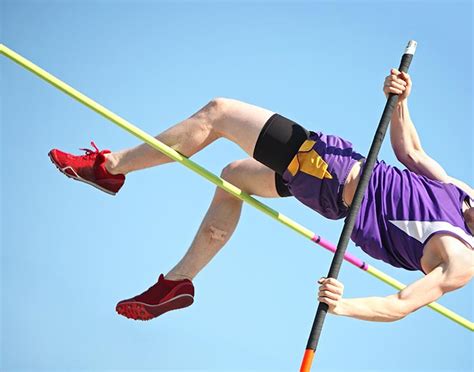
448, 276
404, 137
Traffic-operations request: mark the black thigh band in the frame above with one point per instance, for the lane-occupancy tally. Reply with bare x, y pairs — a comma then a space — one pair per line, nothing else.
277, 144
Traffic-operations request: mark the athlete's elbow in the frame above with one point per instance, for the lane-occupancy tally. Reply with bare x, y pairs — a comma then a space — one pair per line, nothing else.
409, 158
398, 308
398, 314
403, 313
389, 316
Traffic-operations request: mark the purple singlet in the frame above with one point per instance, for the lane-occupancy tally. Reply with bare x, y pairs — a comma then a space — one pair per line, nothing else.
402, 210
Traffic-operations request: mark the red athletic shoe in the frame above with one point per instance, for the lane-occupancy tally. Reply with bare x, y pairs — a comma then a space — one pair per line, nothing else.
164, 296
88, 168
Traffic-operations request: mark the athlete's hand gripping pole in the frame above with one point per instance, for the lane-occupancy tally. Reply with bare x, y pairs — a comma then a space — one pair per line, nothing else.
351, 218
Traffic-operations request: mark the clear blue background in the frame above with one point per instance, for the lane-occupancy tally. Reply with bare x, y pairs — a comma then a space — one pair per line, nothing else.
70, 252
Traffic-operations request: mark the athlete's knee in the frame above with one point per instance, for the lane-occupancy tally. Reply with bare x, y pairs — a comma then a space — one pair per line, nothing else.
213, 114
219, 104
232, 172
215, 109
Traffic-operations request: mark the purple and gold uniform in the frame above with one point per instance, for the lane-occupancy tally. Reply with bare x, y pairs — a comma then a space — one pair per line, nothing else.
318, 172
400, 212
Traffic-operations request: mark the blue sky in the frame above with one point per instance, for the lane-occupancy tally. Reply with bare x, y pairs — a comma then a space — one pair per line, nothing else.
70, 252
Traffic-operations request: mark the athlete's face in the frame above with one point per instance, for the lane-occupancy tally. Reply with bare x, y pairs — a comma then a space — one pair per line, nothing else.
469, 218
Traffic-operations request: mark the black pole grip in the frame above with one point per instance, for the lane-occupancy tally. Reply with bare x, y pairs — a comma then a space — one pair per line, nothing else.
358, 196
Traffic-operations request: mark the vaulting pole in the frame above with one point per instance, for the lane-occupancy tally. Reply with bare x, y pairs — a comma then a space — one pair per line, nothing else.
354, 210
168, 151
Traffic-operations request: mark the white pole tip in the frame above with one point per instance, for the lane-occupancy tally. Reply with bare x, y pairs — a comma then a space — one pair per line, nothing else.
411, 47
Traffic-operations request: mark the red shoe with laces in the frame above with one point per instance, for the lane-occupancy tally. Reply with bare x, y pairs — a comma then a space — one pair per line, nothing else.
88, 168
164, 296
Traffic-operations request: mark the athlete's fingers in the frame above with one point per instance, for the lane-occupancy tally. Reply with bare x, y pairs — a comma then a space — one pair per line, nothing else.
393, 83
394, 90
396, 79
331, 303
331, 284
329, 294
402, 82
390, 84
399, 77
332, 288
397, 85
334, 282
405, 76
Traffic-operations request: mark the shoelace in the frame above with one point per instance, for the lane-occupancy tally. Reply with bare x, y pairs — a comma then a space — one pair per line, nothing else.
90, 152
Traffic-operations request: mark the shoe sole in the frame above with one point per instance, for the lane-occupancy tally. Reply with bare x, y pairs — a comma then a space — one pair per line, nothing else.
76, 177
141, 311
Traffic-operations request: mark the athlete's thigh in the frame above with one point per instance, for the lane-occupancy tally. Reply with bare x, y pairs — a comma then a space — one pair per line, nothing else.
270, 138
252, 177
242, 123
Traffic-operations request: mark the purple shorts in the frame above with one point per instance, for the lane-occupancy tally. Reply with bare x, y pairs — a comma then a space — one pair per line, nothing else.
317, 173
310, 166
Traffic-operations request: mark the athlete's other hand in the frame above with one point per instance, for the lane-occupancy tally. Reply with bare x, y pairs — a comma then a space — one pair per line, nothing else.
330, 292
398, 83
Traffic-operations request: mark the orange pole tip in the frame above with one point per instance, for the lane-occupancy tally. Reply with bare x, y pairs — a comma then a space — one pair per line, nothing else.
307, 361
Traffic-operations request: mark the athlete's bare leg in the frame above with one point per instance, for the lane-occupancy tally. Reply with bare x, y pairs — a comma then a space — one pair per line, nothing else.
222, 117
223, 215
237, 121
